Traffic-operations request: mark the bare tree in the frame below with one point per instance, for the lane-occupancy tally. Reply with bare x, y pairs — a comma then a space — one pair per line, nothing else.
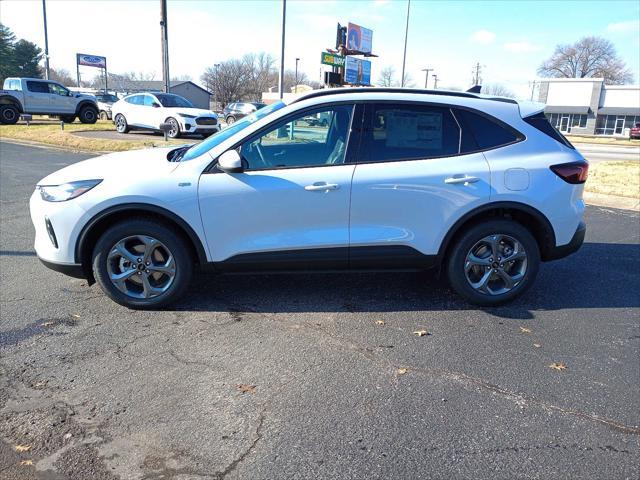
62, 76
497, 90
588, 57
386, 78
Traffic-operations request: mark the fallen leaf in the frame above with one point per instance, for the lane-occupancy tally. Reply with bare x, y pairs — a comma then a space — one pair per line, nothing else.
537, 345
46, 324
421, 333
22, 448
244, 388
525, 330
401, 371
379, 322
26, 462
558, 366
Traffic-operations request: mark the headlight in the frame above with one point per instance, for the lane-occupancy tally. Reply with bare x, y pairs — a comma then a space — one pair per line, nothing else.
187, 116
66, 191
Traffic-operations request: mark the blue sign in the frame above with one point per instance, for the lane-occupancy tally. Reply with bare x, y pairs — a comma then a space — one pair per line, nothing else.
357, 71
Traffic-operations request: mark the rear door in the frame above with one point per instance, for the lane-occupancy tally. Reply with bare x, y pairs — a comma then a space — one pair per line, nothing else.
37, 97
412, 182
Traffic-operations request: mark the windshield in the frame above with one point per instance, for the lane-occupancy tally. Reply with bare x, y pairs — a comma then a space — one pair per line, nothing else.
171, 100
107, 98
216, 139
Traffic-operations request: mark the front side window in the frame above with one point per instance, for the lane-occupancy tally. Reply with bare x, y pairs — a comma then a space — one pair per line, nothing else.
296, 142
170, 100
58, 90
409, 132
148, 101
38, 87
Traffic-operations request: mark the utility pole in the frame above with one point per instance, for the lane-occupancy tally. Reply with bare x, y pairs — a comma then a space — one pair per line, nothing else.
435, 81
296, 85
477, 74
281, 78
406, 34
426, 76
533, 88
164, 37
46, 41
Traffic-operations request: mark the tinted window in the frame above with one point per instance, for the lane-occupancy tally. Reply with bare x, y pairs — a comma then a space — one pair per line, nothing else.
134, 99
483, 131
409, 132
38, 87
58, 90
148, 101
171, 100
540, 122
295, 143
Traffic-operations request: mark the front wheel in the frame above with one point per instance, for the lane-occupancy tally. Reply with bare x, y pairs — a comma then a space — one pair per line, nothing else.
104, 115
68, 118
88, 114
121, 124
142, 264
174, 128
493, 262
231, 120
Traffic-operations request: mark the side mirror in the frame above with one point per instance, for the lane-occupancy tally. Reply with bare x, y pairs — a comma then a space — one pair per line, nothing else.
155, 105
230, 162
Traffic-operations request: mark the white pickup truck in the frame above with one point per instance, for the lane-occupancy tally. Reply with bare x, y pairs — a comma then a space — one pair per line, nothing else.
44, 97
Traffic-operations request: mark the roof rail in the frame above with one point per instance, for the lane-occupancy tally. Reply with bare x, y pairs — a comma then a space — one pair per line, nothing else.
421, 91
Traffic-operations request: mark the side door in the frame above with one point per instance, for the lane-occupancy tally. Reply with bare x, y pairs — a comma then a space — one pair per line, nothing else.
62, 100
37, 98
411, 183
148, 115
132, 112
289, 208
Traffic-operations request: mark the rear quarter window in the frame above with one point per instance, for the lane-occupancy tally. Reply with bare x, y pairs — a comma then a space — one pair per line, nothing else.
540, 122
481, 132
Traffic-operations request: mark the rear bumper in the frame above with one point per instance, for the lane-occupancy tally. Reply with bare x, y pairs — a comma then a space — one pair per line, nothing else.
573, 246
69, 269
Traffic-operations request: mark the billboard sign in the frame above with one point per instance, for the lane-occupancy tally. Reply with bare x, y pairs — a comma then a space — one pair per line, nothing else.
359, 39
357, 71
91, 60
332, 59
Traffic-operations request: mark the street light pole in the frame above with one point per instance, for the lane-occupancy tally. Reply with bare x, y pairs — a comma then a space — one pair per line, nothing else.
426, 76
406, 34
296, 85
435, 81
281, 78
46, 41
165, 44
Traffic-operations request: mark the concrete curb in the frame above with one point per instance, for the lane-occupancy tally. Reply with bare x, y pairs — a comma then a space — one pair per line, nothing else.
612, 201
29, 143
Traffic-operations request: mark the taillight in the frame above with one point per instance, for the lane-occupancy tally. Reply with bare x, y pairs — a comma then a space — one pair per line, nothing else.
574, 172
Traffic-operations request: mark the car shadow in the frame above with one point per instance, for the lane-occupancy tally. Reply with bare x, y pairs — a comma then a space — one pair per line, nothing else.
599, 275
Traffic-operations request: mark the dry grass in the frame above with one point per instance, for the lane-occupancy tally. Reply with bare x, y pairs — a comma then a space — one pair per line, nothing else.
49, 132
624, 141
615, 178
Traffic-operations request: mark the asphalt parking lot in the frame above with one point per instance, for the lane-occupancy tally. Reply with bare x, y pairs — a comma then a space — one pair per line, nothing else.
318, 376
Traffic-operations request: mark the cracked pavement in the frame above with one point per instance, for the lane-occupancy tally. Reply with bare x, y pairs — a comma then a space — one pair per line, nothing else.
101, 392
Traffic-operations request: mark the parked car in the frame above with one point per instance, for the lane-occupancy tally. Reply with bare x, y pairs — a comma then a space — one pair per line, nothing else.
634, 132
481, 189
150, 110
236, 110
43, 97
105, 103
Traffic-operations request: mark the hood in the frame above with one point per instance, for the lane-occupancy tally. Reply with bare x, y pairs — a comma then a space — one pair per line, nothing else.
198, 112
153, 161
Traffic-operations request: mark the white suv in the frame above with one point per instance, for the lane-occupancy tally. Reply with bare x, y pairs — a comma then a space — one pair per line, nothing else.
149, 111
481, 188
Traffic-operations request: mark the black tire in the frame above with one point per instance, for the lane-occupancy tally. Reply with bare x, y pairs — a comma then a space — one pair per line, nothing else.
88, 114
324, 123
103, 115
230, 120
141, 226
175, 128
121, 124
68, 118
9, 114
469, 239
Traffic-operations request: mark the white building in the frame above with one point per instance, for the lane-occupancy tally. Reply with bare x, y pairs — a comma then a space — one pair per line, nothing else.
586, 106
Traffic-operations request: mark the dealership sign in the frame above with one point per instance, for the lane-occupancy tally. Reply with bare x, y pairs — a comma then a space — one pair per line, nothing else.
357, 72
359, 39
91, 60
332, 59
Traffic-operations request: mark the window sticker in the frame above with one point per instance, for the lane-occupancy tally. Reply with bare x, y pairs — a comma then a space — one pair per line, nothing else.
414, 130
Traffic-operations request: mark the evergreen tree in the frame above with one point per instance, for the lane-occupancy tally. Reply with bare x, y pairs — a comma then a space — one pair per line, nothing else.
7, 39
26, 57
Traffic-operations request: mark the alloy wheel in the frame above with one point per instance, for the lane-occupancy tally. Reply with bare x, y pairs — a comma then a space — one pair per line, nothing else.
496, 264
121, 124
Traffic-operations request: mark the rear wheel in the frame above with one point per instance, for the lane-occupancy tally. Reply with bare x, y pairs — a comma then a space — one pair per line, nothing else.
88, 114
68, 118
493, 262
9, 114
174, 128
142, 264
230, 120
103, 115
121, 124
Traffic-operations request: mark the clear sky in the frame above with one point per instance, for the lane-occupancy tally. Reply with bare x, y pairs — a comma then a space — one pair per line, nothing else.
509, 38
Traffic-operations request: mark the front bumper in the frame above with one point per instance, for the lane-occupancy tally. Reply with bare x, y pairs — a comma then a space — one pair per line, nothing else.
573, 246
70, 269
188, 125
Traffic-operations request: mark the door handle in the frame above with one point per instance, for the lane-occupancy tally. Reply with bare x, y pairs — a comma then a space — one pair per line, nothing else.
461, 179
321, 186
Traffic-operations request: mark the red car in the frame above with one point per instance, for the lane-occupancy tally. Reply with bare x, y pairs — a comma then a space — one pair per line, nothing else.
634, 132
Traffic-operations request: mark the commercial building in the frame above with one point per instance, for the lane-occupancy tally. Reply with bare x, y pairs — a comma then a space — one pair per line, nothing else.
586, 106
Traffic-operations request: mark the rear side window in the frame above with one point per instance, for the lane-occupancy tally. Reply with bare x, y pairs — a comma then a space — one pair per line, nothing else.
540, 122
483, 133
38, 87
409, 132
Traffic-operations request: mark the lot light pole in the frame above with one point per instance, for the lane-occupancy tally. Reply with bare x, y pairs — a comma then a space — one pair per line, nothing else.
296, 85
426, 76
281, 78
46, 41
164, 37
435, 81
406, 34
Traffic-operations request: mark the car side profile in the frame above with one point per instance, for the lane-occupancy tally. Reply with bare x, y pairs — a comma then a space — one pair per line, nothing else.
237, 110
149, 111
481, 189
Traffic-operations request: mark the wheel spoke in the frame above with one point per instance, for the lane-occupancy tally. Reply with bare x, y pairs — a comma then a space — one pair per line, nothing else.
149, 290
475, 260
169, 267
150, 245
120, 250
483, 283
506, 278
119, 279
